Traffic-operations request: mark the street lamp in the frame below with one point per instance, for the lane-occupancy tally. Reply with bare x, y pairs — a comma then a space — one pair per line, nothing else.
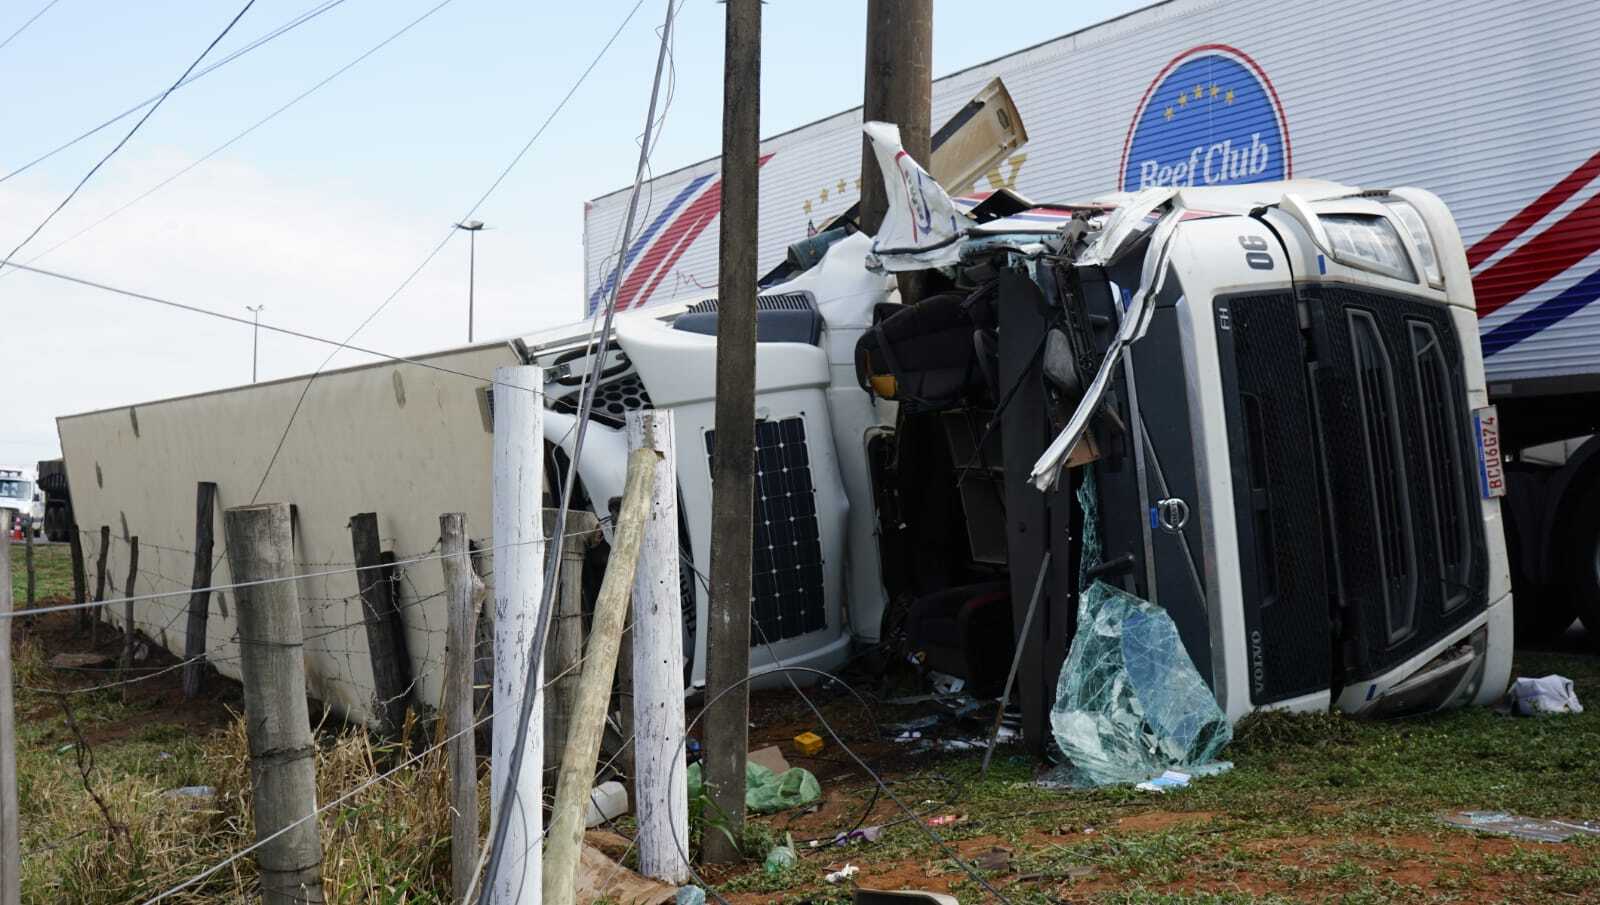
473, 227
255, 338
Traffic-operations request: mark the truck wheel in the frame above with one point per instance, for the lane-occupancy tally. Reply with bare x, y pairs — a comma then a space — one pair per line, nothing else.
1543, 610
1583, 559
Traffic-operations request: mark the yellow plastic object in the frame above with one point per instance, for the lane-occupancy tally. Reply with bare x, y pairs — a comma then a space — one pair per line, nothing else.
808, 742
884, 385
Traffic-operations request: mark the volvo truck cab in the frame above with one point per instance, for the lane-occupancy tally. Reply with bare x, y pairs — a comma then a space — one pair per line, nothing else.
1276, 388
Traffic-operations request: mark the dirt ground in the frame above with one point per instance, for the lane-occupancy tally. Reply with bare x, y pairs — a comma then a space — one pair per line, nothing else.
1319, 809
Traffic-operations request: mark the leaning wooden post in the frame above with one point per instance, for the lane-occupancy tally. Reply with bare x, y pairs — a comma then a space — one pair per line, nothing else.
127, 604
517, 502
10, 833
563, 648
386, 640
462, 590
661, 792
194, 642
100, 584
565, 839
283, 767
80, 578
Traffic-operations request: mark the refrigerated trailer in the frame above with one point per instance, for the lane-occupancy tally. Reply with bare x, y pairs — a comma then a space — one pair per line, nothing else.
1487, 106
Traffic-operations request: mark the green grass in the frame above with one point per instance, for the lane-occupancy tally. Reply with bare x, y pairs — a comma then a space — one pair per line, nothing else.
52, 570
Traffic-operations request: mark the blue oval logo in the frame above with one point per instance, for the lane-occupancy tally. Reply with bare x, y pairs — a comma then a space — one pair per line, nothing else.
1210, 118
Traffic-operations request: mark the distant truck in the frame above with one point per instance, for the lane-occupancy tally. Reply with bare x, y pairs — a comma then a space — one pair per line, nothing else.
20, 495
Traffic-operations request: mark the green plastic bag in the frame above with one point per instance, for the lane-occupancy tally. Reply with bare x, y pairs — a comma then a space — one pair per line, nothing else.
766, 791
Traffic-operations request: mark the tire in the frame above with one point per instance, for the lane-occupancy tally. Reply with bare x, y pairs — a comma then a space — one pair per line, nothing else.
1581, 557
1543, 611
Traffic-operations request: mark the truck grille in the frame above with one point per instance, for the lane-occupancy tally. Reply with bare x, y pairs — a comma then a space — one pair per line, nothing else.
1410, 549
1372, 393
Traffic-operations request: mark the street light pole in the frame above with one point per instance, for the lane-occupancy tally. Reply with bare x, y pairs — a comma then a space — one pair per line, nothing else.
473, 227
255, 338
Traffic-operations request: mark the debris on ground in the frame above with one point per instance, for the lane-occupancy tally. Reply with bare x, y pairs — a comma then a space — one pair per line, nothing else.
944, 820
1129, 702
902, 897
996, 860
601, 879
193, 795
808, 743
1169, 779
1533, 829
1548, 694
766, 791
81, 660
859, 834
842, 874
690, 895
781, 857
607, 802
770, 757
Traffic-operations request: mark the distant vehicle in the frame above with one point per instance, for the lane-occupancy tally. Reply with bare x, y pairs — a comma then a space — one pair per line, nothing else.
20, 495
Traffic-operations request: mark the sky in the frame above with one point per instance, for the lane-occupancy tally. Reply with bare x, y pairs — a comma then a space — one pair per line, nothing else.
322, 212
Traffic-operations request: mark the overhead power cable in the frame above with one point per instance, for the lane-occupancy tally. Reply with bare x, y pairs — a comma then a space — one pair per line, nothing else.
448, 234
286, 27
24, 26
220, 315
496, 843
256, 125
147, 114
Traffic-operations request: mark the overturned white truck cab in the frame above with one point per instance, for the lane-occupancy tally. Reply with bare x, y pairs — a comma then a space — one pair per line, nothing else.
1277, 388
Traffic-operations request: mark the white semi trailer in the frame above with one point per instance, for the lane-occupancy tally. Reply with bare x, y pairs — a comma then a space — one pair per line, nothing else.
1488, 106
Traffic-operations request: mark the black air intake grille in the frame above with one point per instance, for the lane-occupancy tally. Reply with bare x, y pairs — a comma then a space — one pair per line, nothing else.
782, 301
1380, 431
1408, 532
1277, 498
786, 551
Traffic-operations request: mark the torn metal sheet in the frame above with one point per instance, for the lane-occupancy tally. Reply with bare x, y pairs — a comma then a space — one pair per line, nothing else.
922, 227
1135, 320
1505, 824
1125, 224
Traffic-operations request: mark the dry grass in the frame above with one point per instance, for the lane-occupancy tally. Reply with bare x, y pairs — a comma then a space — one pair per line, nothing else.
388, 844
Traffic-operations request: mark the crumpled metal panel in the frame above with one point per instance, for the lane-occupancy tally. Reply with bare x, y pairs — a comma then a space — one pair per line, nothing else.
1129, 702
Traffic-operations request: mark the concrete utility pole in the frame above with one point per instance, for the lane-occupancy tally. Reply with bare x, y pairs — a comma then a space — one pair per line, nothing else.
898, 89
733, 458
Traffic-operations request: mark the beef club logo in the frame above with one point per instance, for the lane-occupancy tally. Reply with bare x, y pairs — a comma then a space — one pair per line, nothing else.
1210, 117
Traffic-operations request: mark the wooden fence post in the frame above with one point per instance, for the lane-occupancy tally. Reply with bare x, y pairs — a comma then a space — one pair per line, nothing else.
80, 578
127, 605
283, 766
565, 838
194, 642
563, 648
658, 719
517, 501
386, 640
100, 585
27, 561
463, 590
10, 833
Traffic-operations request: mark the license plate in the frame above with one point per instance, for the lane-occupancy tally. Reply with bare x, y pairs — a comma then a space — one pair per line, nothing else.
1491, 470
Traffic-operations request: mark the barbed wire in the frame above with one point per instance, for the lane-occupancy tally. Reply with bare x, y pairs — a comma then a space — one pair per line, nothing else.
136, 598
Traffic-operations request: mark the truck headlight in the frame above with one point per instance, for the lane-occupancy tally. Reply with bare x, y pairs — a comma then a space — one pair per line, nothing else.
1418, 230
1370, 243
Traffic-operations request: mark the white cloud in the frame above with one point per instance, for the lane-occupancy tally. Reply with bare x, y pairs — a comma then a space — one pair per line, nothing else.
228, 235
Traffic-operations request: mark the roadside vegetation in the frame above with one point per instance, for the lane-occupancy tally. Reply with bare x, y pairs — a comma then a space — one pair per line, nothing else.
1317, 809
